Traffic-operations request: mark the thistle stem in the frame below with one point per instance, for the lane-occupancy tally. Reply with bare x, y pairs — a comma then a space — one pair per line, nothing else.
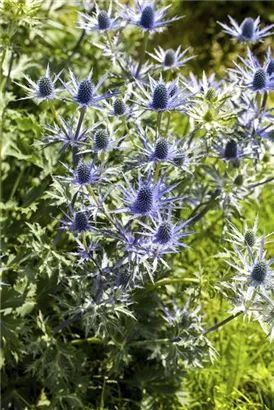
167, 124
92, 193
159, 119
78, 129
264, 101
143, 52
223, 322
145, 342
157, 171
259, 102
110, 41
168, 281
261, 183
84, 239
54, 113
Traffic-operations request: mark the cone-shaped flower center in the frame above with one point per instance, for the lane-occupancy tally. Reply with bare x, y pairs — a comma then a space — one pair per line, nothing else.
259, 80
164, 233
160, 97
169, 58
270, 68
101, 140
259, 272
161, 149
231, 150
144, 201
119, 107
248, 28
45, 87
147, 18
103, 20
85, 92
211, 94
83, 173
81, 222
239, 180
250, 238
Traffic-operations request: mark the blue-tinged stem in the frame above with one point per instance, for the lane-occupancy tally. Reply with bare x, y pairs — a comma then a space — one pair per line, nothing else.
223, 322
110, 41
84, 239
143, 52
167, 124
78, 129
54, 113
157, 171
264, 101
259, 102
159, 119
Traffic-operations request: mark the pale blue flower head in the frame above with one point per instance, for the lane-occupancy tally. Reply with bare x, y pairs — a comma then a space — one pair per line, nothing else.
254, 267
101, 21
170, 59
147, 17
44, 89
84, 174
165, 235
76, 221
254, 76
147, 199
157, 96
84, 92
248, 31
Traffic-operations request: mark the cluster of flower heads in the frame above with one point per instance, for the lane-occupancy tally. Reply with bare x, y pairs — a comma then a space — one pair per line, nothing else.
128, 211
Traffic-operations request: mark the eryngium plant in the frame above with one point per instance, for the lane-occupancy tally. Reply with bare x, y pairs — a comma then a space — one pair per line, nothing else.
141, 152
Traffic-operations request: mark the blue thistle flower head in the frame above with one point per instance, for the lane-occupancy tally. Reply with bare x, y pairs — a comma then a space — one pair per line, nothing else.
270, 67
247, 28
160, 97
164, 150
253, 75
44, 89
84, 93
103, 20
164, 233
259, 80
163, 97
161, 149
256, 269
248, 32
269, 64
250, 238
77, 221
100, 21
144, 200
146, 17
101, 140
84, 174
147, 199
119, 107
170, 59
81, 222
231, 150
